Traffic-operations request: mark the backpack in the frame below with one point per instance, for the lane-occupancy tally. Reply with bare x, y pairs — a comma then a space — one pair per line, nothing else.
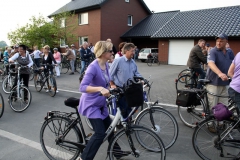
221, 112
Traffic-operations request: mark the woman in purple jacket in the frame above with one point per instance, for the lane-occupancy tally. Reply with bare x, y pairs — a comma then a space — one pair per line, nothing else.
93, 106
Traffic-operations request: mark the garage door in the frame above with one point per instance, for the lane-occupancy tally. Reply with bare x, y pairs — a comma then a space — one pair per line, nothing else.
179, 51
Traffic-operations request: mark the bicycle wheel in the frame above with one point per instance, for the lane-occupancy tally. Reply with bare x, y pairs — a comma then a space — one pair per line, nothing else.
7, 84
157, 61
65, 68
20, 99
151, 148
51, 130
166, 125
81, 77
206, 138
184, 72
1, 105
38, 83
88, 123
149, 61
31, 75
186, 82
52, 86
192, 114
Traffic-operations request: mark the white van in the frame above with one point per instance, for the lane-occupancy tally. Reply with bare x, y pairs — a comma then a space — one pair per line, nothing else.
145, 52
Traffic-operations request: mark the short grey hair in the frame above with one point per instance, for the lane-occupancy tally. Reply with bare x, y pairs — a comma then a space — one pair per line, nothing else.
85, 43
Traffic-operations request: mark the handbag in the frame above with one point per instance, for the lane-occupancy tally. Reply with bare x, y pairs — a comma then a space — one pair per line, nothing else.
187, 98
133, 92
221, 112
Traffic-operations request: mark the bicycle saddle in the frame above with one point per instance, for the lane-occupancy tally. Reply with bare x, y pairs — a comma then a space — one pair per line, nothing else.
72, 102
204, 81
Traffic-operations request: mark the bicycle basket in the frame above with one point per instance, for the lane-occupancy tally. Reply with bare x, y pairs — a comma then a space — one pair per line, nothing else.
221, 112
187, 97
133, 91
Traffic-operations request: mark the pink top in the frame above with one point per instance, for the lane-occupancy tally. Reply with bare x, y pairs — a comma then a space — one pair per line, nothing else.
57, 56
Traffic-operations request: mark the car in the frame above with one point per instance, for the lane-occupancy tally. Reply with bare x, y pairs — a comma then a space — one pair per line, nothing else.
144, 53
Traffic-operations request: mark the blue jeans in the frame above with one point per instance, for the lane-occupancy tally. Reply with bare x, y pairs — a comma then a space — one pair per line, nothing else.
99, 126
235, 96
124, 107
202, 76
83, 63
72, 65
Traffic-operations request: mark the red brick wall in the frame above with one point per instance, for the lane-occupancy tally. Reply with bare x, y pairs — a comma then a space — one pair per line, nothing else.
163, 50
114, 18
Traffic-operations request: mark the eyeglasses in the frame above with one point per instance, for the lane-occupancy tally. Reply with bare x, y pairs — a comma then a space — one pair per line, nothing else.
110, 51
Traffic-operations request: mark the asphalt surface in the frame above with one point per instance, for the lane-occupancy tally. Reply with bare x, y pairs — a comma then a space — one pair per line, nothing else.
19, 132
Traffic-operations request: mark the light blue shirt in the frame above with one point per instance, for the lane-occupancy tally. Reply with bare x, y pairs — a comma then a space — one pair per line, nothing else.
123, 69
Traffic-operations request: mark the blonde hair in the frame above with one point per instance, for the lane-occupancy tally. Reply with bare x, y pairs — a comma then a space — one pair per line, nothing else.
46, 47
102, 47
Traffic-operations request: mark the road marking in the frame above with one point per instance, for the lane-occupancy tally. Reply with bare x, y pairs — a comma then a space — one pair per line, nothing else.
32, 144
64, 90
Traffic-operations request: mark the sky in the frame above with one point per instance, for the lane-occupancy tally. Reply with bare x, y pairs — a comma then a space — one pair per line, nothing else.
15, 13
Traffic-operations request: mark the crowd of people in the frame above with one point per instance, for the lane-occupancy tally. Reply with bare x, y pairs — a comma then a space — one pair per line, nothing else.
221, 66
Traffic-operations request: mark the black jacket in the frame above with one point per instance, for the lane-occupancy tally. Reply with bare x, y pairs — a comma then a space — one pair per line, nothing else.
196, 57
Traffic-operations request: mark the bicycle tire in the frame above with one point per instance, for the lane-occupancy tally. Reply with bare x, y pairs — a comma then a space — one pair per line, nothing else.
149, 61
65, 67
1, 105
158, 62
31, 75
186, 82
5, 84
81, 77
88, 123
38, 82
205, 141
184, 72
48, 136
165, 123
13, 99
52, 88
155, 151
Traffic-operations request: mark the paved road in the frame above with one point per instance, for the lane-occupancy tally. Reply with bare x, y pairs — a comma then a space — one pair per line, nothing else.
19, 132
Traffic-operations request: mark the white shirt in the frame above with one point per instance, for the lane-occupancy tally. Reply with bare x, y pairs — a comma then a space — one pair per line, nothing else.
36, 54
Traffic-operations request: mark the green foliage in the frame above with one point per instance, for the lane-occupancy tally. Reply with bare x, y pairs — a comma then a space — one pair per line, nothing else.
40, 32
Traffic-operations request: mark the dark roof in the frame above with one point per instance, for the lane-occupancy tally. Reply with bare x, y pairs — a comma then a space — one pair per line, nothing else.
151, 24
74, 5
78, 5
202, 23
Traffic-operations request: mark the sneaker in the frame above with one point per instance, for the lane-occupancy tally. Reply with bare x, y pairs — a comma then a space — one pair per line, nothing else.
71, 73
121, 154
47, 91
212, 129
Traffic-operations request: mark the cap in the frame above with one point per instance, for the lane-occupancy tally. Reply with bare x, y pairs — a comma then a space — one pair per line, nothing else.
55, 49
222, 36
66, 46
207, 44
72, 45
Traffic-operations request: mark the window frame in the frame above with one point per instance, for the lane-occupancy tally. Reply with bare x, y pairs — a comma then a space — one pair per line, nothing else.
80, 15
130, 19
62, 41
81, 39
62, 22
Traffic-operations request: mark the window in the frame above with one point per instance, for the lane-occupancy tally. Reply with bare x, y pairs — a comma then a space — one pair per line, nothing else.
83, 18
62, 42
129, 20
83, 39
127, 1
62, 23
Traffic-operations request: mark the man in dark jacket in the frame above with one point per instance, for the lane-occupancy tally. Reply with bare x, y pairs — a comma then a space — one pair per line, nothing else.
85, 54
195, 58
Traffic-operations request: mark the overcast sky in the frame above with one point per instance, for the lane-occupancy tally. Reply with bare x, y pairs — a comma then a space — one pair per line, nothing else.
14, 13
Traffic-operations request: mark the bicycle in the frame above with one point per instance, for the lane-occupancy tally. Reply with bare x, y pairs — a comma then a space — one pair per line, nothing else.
221, 144
1, 105
20, 94
64, 65
8, 80
41, 77
191, 115
152, 59
66, 132
154, 117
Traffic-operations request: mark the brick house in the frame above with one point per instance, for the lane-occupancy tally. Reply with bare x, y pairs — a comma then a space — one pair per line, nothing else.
102, 19
175, 32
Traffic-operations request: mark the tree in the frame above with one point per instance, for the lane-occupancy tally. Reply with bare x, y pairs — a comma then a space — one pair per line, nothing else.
3, 44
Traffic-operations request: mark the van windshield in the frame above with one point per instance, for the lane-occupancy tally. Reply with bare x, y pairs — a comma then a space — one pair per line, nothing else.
145, 50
